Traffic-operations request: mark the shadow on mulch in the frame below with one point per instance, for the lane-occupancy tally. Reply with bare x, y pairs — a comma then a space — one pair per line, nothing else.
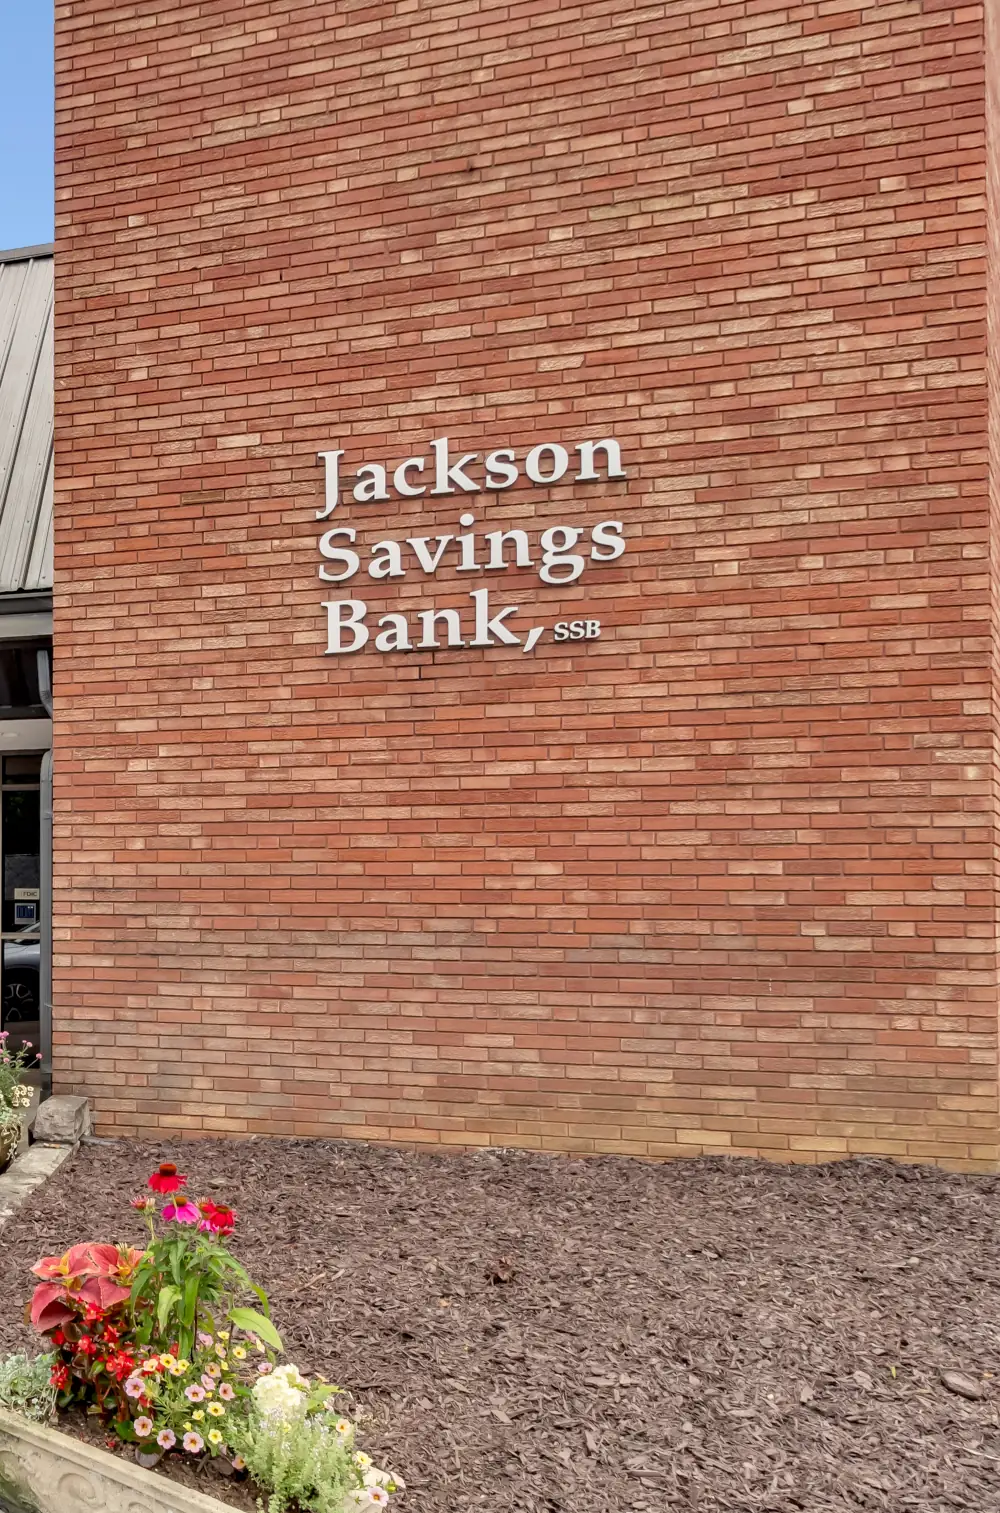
530, 1334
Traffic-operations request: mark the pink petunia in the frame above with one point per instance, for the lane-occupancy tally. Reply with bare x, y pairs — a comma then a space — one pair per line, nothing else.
166, 1439
195, 1393
143, 1427
227, 1392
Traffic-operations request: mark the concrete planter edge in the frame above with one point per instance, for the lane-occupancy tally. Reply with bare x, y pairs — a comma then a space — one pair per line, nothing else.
43, 1470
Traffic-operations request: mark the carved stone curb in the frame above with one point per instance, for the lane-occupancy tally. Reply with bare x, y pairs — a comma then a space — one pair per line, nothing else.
28, 1172
45, 1471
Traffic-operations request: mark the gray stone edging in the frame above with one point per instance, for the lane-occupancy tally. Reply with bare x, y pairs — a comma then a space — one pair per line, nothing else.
28, 1172
45, 1471
59, 1124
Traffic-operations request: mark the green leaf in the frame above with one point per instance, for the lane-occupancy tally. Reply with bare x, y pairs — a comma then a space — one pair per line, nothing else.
252, 1322
190, 1305
164, 1305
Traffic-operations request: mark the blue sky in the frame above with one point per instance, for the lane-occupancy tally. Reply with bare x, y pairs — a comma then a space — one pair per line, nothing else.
26, 89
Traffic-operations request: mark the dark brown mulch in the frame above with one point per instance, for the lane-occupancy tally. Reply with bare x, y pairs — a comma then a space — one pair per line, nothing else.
540, 1335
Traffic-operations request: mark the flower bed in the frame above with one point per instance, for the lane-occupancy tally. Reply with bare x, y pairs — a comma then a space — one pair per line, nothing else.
171, 1351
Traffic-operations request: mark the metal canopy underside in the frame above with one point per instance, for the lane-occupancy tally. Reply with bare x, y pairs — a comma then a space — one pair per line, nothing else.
27, 403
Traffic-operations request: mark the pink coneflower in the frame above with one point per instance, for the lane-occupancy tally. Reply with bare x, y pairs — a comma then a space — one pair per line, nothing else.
183, 1212
166, 1439
193, 1443
143, 1427
195, 1393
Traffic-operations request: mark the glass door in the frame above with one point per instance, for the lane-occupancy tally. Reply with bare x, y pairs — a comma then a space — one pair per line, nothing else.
20, 899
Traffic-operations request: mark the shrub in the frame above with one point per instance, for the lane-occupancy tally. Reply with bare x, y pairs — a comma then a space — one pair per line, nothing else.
14, 1095
26, 1387
295, 1444
81, 1304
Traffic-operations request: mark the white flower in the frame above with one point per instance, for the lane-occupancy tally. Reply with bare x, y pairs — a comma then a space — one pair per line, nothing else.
277, 1396
376, 1477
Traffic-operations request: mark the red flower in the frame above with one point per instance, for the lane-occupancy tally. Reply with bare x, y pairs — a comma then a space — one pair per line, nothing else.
86, 1345
58, 1338
167, 1179
216, 1219
120, 1365
60, 1377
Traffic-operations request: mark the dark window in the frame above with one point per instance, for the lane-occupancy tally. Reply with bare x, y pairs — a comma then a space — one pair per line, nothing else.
19, 696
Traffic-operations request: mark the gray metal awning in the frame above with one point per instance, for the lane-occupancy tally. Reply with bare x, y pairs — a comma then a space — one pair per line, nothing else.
27, 404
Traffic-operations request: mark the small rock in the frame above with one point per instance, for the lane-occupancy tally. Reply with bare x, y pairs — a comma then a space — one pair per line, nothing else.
965, 1386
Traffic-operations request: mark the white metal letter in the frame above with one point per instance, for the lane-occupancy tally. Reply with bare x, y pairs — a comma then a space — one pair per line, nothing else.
613, 456
342, 554
501, 469
397, 635
371, 483
522, 549
411, 465
387, 560
533, 462
330, 462
607, 533
445, 476
429, 619
354, 621
485, 627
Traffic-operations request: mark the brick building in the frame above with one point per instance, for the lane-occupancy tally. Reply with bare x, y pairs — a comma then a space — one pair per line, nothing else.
720, 875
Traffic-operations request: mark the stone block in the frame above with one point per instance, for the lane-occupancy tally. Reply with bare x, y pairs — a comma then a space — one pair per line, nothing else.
46, 1471
63, 1120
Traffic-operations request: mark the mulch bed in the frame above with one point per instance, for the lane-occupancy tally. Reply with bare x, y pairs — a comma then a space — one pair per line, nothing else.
528, 1334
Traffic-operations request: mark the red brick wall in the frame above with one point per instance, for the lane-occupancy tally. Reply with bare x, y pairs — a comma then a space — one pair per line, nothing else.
722, 880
